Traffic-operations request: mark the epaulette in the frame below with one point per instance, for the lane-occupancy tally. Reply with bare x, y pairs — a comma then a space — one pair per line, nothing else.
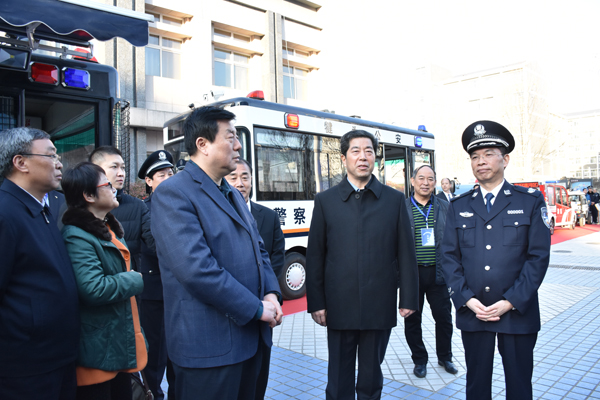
460, 196
529, 191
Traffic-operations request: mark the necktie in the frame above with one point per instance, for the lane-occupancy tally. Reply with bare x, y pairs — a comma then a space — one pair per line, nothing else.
488, 204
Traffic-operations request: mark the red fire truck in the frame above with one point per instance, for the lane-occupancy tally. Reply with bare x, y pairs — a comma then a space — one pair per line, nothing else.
560, 212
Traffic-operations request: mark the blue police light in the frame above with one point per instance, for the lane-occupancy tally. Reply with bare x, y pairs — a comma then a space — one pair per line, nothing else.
422, 128
76, 78
418, 141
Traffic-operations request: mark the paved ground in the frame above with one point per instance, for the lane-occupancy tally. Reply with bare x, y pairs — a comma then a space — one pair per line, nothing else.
567, 354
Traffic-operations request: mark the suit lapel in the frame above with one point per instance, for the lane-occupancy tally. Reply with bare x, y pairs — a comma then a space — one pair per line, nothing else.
502, 201
212, 190
258, 216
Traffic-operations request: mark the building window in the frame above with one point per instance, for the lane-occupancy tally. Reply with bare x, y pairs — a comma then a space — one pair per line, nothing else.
163, 57
295, 83
231, 69
230, 35
165, 19
295, 53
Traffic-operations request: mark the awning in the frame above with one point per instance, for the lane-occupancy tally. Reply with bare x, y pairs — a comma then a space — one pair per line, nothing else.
74, 21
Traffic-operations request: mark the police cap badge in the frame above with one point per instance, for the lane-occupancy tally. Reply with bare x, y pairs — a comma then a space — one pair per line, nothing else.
482, 134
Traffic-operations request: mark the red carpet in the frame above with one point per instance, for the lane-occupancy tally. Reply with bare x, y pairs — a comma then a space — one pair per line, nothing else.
294, 306
563, 234
560, 235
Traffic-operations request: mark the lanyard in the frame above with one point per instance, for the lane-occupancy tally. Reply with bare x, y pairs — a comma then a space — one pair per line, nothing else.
421, 211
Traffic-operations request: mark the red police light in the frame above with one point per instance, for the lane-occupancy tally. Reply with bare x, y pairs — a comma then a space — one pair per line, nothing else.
292, 121
44, 73
257, 94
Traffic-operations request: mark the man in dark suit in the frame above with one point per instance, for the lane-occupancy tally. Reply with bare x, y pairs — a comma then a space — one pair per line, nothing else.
427, 220
39, 315
360, 250
496, 250
156, 169
270, 231
220, 292
446, 193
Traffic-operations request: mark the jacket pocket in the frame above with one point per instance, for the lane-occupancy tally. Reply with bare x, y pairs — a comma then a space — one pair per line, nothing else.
465, 229
203, 331
515, 230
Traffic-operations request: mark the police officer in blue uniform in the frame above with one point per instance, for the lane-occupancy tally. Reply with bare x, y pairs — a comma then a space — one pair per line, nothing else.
157, 168
496, 250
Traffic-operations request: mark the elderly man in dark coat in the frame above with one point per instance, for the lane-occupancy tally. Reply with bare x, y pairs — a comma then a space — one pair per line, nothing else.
39, 316
359, 250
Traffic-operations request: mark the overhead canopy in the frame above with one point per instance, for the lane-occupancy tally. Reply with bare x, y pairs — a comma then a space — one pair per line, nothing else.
74, 21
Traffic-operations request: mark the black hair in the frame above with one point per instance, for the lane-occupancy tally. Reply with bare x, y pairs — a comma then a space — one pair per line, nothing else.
242, 161
203, 122
348, 136
82, 179
101, 151
414, 175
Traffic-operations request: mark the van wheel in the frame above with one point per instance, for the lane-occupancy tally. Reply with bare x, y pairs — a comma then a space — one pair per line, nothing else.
552, 226
292, 280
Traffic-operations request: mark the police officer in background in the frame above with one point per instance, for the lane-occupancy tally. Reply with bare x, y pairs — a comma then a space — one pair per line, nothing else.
496, 250
157, 168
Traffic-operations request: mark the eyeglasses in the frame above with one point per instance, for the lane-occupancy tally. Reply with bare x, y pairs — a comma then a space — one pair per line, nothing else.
55, 157
486, 157
106, 184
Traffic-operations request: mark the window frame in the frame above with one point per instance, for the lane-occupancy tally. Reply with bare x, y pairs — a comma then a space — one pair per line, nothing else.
161, 49
233, 64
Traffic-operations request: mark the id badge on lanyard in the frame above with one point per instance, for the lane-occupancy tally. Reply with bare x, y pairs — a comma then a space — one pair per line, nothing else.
427, 235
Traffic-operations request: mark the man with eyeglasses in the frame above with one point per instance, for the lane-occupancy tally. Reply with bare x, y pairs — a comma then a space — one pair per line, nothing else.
496, 250
39, 316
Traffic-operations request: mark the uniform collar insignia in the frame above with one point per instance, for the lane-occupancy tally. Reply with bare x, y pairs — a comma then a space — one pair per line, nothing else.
530, 190
466, 214
507, 192
475, 194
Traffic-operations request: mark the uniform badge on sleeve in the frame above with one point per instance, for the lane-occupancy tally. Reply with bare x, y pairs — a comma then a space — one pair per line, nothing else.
545, 217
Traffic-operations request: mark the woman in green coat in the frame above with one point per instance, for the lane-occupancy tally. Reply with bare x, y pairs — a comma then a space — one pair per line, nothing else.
111, 343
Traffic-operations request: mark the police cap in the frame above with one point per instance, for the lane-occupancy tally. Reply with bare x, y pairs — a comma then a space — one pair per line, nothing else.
160, 159
482, 134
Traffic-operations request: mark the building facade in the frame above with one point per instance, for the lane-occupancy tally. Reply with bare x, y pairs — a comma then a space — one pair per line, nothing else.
205, 51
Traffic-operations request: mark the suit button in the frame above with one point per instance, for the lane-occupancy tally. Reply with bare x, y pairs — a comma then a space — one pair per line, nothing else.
487, 267
357, 196
516, 223
151, 271
487, 288
489, 227
488, 247
464, 226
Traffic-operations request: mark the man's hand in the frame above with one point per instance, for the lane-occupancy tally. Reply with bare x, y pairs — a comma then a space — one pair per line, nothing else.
405, 312
499, 308
269, 313
491, 313
272, 298
320, 317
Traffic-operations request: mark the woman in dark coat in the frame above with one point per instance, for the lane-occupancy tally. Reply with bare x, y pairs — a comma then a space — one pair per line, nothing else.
111, 343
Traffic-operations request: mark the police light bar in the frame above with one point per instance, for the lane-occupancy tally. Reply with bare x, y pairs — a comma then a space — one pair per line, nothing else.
14, 57
76, 78
418, 141
257, 94
43, 73
292, 121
